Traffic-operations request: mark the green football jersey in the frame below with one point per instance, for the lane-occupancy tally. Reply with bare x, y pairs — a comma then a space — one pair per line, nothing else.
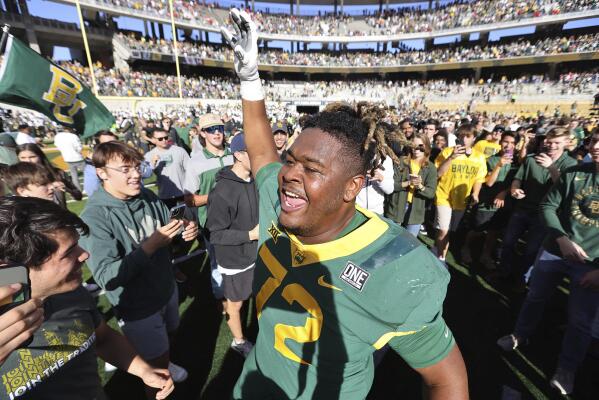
324, 309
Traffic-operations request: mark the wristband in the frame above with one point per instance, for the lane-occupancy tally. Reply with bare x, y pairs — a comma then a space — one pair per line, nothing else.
252, 90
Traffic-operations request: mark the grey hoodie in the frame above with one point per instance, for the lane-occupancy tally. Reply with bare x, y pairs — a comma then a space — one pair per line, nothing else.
136, 285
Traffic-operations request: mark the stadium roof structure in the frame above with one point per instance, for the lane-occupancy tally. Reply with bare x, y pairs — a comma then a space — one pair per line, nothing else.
99, 5
347, 2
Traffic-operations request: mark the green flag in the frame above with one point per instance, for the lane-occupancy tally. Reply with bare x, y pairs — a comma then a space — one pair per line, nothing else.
30, 81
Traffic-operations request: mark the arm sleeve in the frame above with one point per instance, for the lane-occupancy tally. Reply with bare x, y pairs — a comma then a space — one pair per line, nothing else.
70, 186
426, 347
110, 268
192, 180
430, 183
520, 174
550, 205
387, 184
219, 222
77, 143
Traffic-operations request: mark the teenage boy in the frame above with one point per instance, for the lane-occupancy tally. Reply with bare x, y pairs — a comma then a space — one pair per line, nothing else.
491, 214
29, 180
169, 163
280, 134
491, 145
130, 234
570, 211
61, 360
200, 178
233, 225
462, 171
533, 180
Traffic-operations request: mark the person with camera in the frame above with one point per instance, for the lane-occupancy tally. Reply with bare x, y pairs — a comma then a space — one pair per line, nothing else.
39, 240
415, 184
129, 239
533, 180
462, 171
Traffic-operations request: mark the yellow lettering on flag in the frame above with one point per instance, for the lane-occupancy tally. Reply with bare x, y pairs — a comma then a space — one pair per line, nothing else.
63, 93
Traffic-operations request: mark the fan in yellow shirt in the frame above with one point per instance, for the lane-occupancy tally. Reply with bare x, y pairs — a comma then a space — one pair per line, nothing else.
490, 145
462, 171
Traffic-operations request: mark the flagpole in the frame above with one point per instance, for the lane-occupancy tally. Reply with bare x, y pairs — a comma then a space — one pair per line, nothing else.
5, 30
170, 2
86, 45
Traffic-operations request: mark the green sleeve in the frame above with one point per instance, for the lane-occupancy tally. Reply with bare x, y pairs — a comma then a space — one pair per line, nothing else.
550, 206
430, 183
426, 347
520, 174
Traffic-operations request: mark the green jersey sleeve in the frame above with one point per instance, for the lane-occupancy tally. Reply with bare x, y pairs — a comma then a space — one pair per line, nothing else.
426, 347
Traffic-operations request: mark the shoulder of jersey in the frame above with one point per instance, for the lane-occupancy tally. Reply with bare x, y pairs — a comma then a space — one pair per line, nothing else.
397, 276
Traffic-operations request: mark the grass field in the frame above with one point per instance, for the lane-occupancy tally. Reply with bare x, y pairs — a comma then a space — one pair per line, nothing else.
477, 312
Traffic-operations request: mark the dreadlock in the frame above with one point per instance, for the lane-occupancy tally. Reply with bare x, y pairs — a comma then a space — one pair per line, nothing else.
362, 131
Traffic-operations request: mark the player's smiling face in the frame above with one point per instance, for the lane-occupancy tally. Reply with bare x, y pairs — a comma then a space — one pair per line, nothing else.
313, 185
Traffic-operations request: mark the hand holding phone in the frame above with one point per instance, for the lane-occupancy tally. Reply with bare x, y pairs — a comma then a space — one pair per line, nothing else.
19, 322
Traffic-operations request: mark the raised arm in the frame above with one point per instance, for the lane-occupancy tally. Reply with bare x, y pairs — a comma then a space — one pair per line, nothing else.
258, 135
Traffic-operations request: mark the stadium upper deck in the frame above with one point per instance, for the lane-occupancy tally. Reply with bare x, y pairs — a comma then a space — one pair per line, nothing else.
456, 18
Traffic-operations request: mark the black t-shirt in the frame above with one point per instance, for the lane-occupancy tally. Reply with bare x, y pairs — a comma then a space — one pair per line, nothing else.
60, 363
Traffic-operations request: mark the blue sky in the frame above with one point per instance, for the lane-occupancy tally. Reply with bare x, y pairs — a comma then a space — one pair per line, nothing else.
68, 13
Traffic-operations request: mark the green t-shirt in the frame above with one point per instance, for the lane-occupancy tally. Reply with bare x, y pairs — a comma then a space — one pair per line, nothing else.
61, 361
504, 179
571, 208
536, 180
324, 309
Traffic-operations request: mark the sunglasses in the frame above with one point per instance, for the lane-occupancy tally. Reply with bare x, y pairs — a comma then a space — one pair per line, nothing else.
160, 139
215, 129
420, 147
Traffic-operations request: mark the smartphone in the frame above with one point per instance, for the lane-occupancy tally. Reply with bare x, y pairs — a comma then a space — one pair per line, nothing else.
459, 142
178, 212
9, 276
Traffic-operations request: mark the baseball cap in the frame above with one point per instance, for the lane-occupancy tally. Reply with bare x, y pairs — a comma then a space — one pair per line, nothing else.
280, 126
500, 128
238, 143
208, 120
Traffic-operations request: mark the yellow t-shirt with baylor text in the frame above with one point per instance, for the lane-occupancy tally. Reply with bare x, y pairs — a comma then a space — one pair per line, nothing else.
455, 185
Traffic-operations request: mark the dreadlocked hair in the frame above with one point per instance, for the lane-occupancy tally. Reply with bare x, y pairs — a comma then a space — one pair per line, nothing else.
362, 132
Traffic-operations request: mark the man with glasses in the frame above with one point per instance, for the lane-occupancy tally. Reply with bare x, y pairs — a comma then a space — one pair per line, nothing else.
200, 178
169, 163
130, 234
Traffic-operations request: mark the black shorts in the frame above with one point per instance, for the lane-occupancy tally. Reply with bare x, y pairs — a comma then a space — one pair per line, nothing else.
238, 287
485, 220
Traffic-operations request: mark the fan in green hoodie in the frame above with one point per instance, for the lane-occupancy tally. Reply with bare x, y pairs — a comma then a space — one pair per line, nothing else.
129, 239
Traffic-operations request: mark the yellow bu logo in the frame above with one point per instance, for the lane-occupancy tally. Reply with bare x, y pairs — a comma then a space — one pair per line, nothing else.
63, 94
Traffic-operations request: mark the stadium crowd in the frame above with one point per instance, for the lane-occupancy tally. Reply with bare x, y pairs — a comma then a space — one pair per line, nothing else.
520, 48
330, 246
458, 14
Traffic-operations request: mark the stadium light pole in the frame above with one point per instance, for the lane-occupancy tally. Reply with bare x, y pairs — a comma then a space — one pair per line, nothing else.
175, 50
86, 46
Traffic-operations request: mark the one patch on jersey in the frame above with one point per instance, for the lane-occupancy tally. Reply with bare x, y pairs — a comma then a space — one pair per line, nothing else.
274, 232
354, 276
